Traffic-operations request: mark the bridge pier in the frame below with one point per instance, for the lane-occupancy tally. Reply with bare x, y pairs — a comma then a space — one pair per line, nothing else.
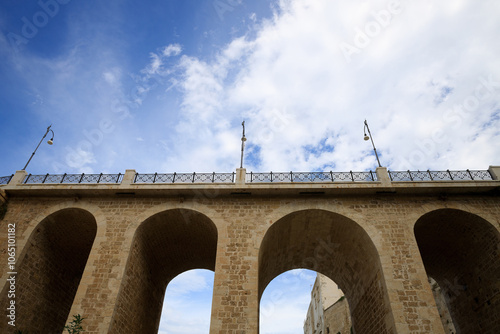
235, 304
97, 294
411, 299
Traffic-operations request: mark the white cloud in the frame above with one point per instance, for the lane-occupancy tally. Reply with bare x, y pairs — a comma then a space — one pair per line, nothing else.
405, 81
112, 76
158, 62
172, 49
155, 64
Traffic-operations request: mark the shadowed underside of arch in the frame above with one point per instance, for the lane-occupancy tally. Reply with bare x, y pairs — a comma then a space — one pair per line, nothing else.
49, 273
337, 247
165, 245
461, 251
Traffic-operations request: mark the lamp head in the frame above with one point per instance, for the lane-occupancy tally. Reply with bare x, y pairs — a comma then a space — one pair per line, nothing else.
366, 137
243, 139
51, 140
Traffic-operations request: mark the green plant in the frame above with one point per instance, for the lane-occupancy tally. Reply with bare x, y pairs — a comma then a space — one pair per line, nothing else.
75, 326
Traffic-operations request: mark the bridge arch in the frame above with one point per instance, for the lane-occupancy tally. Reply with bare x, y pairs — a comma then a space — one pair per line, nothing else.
164, 245
337, 207
337, 247
94, 210
50, 268
461, 251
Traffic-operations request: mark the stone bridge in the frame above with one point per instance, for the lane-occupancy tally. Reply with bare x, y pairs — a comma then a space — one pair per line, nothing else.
106, 246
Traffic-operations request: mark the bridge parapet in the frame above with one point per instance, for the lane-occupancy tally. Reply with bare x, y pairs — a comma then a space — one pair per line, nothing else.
241, 176
242, 182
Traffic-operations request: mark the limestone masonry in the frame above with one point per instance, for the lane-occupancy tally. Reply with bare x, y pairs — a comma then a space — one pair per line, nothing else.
328, 311
108, 250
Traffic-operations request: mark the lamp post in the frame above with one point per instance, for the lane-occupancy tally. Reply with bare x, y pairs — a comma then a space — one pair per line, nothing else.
243, 140
50, 142
369, 136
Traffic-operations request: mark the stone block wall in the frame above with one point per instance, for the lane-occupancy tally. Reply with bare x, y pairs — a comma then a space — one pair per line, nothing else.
367, 244
337, 318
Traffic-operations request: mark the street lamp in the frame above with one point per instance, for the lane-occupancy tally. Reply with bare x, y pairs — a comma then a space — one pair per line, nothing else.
50, 142
369, 136
243, 140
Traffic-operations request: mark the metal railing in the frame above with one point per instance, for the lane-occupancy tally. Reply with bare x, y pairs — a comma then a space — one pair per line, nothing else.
461, 175
295, 177
185, 178
5, 179
270, 177
73, 178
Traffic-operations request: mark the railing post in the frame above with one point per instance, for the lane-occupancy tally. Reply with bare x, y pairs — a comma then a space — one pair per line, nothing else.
45, 178
430, 175
18, 178
494, 171
62, 179
154, 178
129, 177
241, 176
383, 176
449, 173
81, 178
331, 175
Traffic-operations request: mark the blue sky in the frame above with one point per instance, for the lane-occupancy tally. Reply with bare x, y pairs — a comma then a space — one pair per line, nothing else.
163, 86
